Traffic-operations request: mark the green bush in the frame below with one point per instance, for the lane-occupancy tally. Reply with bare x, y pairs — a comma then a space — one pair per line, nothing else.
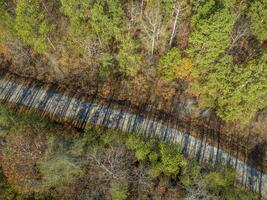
6, 19
168, 65
237, 194
144, 149
60, 170
172, 160
220, 179
11, 120
215, 182
62, 163
31, 24
143, 197
128, 58
105, 68
161, 157
118, 191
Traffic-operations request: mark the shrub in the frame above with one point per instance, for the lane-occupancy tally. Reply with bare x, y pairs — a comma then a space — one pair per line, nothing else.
60, 170
168, 64
128, 58
11, 120
172, 159
237, 194
105, 68
31, 24
118, 191
62, 162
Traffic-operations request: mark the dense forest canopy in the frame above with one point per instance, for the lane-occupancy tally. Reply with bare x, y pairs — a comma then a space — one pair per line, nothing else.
211, 54
216, 48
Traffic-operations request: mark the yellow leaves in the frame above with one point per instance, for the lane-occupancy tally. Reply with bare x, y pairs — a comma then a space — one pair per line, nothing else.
172, 66
184, 69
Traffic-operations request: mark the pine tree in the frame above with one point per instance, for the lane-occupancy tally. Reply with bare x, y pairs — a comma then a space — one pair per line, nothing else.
31, 24
128, 58
258, 16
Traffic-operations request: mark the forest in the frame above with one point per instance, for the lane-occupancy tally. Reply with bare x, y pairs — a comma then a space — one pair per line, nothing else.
214, 49
44, 160
203, 62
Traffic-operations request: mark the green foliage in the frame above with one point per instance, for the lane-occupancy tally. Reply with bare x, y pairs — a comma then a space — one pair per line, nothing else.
134, 141
107, 20
78, 12
6, 20
62, 162
93, 136
116, 14
162, 158
167, 8
118, 191
231, 89
172, 159
144, 150
101, 24
100, 138
237, 194
59, 170
191, 174
108, 23
235, 90
76, 9
143, 197
147, 150
210, 37
168, 65
6, 24
31, 24
203, 11
258, 15
10, 121
11, 192
6, 119
106, 63
215, 182
129, 60
218, 180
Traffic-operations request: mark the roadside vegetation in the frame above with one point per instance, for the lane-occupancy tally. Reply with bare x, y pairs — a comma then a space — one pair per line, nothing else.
43, 160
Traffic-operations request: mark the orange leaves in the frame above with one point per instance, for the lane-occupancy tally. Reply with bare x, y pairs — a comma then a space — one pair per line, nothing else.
19, 161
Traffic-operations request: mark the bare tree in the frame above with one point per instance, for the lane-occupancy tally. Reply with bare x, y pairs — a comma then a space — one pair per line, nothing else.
151, 22
241, 30
142, 7
145, 184
113, 161
135, 10
178, 7
198, 190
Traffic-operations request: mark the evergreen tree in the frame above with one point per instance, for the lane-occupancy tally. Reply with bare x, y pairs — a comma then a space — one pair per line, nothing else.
168, 65
31, 24
258, 16
129, 60
172, 66
101, 24
78, 13
239, 91
6, 20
